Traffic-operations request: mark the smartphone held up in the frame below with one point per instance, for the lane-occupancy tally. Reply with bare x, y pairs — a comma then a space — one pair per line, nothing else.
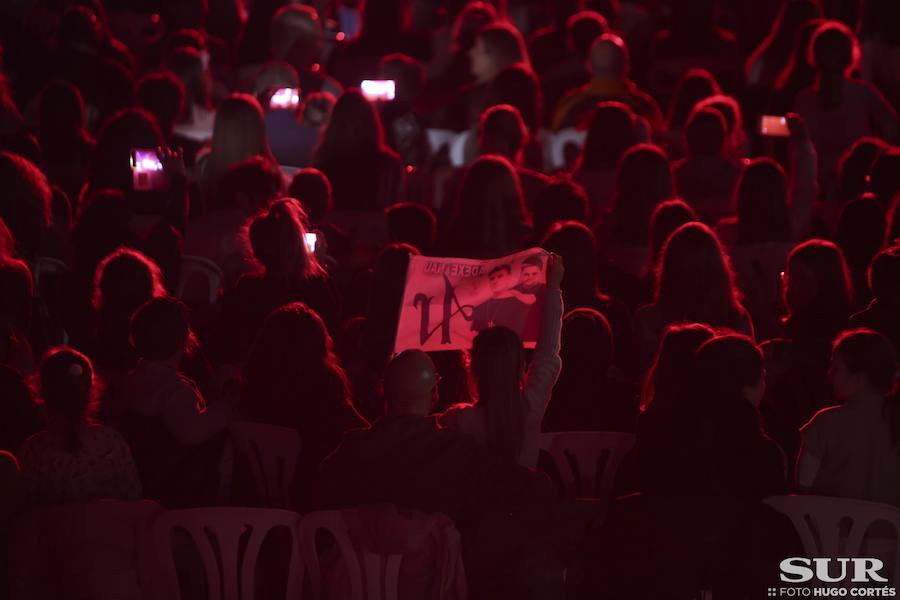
284, 99
378, 89
774, 126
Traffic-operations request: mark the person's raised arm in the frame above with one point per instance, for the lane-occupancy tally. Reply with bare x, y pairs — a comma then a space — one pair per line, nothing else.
545, 363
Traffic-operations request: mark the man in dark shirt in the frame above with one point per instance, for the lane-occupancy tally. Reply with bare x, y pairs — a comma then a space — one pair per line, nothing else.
503, 511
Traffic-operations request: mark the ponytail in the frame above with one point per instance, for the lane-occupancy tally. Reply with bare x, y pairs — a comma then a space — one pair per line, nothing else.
67, 388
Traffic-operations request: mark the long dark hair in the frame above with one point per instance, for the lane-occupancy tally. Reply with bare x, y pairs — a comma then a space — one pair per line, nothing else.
872, 354
66, 386
643, 180
612, 131
825, 313
667, 379
575, 243
490, 219
277, 238
350, 152
694, 280
761, 200
723, 368
291, 361
498, 364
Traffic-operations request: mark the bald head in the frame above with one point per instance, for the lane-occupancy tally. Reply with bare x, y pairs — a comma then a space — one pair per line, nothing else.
608, 58
409, 382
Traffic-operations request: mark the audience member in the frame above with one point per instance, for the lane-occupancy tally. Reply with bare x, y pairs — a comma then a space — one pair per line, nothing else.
850, 450
609, 66
406, 458
706, 177
882, 313
173, 433
292, 379
511, 402
74, 459
694, 283
364, 173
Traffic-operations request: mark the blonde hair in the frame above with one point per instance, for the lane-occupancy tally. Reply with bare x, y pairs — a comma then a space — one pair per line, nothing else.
239, 132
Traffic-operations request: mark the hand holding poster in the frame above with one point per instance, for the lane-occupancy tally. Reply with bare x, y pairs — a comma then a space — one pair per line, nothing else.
447, 301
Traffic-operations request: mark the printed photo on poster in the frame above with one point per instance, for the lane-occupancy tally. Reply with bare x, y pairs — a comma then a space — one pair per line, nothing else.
447, 301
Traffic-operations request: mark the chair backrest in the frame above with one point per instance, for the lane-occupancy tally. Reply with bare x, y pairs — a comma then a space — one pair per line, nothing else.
81, 551
372, 542
587, 461
334, 523
197, 266
271, 452
229, 565
836, 527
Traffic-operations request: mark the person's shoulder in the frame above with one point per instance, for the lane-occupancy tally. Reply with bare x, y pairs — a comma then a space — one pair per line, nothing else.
825, 417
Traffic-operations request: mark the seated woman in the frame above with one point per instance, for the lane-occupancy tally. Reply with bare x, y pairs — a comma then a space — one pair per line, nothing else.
289, 273
850, 450
171, 430
293, 379
74, 459
590, 395
694, 283
511, 401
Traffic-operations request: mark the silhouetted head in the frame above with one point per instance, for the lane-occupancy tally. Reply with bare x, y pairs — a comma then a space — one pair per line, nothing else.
126, 130
412, 223
863, 362
250, 186
518, 86
502, 131
296, 35
666, 218
817, 291
834, 49
470, 20
277, 237
410, 384
859, 232
561, 199
162, 93
490, 219
761, 200
694, 280
66, 386
575, 243
160, 329
884, 277
643, 180
611, 132
728, 371
694, 86
124, 280
311, 187
608, 58
497, 45
24, 203
666, 382
705, 133
884, 179
583, 28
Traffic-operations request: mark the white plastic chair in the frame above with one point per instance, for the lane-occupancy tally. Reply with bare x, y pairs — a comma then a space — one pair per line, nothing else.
587, 461
818, 521
370, 575
81, 551
555, 144
197, 266
225, 526
272, 453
